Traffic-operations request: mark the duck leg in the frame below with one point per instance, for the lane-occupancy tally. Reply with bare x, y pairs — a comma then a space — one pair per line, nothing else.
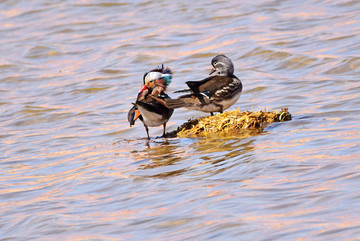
220, 107
164, 130
147, 131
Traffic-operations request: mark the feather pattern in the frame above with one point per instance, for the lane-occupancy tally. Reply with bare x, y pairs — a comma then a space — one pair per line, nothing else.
213, 94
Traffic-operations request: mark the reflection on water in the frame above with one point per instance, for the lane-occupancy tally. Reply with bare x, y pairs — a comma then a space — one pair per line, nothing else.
168, 157
72, 168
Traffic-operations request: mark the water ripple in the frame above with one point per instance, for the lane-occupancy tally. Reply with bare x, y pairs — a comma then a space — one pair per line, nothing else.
72, 168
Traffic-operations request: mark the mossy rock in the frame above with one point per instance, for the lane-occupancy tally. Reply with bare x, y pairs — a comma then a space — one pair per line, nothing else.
230, 124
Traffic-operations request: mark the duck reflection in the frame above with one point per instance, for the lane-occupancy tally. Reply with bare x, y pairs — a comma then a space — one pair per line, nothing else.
158, 153
175, 156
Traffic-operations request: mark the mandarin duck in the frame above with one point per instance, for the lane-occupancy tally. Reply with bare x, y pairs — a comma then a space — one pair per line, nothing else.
150, 107
215, 93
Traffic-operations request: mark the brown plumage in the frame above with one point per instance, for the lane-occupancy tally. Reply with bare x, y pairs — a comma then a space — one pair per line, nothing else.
213, 94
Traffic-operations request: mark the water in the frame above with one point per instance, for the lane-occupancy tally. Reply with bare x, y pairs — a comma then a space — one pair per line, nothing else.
72, 168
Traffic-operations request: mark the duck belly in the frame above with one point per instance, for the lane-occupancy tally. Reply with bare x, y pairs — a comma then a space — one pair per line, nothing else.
206, 108
215, 106
150, 118
229, 102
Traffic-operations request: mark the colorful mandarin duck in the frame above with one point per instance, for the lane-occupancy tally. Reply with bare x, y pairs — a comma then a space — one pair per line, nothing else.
150, 107
216, 93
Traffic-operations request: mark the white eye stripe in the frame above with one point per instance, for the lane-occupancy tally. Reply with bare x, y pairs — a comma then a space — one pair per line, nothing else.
154, 76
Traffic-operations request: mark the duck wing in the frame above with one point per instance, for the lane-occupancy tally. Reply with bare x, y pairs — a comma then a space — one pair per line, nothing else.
211, 85
195, 85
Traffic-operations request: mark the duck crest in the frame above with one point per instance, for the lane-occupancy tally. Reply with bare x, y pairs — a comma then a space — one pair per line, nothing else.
166, 71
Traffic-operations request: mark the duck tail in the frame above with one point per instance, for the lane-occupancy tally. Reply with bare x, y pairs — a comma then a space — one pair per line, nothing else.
175, 103
182, 91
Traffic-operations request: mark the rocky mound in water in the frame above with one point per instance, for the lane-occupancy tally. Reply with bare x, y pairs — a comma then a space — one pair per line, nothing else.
230, 124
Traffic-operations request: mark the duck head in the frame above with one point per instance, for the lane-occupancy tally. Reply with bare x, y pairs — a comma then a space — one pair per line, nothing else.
159, 76
222, 65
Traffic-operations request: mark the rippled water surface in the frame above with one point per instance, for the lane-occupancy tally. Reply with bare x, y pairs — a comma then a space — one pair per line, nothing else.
72, 168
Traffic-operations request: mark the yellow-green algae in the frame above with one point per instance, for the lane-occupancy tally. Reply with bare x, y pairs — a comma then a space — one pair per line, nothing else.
230, 124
